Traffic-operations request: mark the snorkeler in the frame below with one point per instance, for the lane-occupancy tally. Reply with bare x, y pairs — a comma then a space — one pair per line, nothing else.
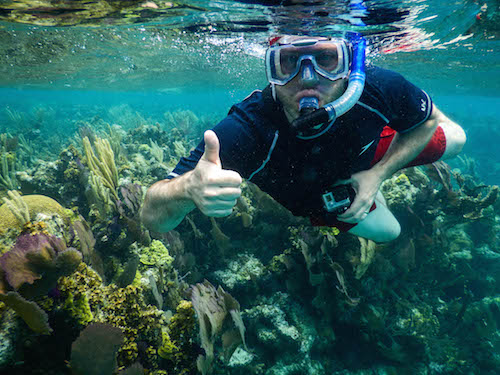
320, 139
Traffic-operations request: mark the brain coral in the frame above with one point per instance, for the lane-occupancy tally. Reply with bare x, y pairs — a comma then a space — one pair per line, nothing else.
36, 204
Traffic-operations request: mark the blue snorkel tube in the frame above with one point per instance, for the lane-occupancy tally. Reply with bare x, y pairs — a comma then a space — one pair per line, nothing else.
356, 80
356, 84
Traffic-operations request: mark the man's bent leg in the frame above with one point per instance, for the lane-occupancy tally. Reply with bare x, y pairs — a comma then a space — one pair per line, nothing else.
380, 225
455, 139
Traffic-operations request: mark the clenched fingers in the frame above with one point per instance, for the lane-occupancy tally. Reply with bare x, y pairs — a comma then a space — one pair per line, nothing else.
217, 207
219, 201
225, 178
222, 193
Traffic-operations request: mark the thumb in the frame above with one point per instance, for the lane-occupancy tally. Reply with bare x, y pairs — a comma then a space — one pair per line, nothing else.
211, 153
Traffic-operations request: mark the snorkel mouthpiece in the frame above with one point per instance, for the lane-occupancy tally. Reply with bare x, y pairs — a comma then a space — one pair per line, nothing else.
310, 114
307, 105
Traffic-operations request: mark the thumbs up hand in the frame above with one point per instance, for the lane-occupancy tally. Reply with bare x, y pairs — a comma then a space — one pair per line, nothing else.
214, 190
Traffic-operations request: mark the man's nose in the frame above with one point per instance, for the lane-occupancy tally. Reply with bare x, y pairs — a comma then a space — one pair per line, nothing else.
308, 75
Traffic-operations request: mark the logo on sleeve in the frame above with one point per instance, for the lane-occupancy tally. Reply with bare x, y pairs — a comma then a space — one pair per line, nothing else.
364, 148
423, 105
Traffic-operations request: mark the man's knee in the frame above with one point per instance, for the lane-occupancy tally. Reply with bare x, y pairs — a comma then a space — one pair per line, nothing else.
379, 226
390, 232
455, 139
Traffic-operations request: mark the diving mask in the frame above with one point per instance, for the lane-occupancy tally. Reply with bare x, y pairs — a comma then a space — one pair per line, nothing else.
328, 57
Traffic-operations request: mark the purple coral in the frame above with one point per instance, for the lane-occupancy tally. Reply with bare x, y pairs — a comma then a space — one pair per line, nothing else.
128, 207
15, 263
131, 200
35, 255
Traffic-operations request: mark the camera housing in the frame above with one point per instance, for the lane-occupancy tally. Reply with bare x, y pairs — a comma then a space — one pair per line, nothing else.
338, 199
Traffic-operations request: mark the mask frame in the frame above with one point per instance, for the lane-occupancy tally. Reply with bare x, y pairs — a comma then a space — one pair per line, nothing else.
312, 48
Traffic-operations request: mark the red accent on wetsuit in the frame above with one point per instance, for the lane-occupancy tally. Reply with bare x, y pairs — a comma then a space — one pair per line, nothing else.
431, 153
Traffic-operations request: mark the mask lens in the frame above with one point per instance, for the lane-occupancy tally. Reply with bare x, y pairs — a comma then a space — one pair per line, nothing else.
288, 60
327, 59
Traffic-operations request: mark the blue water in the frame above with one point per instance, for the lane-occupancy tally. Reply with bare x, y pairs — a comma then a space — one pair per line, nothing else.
151, 104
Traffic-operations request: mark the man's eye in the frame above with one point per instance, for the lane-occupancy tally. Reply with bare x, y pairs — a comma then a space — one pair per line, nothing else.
327, 60
290, 61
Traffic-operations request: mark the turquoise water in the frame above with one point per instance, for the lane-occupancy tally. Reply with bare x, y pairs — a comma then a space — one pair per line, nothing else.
150, 77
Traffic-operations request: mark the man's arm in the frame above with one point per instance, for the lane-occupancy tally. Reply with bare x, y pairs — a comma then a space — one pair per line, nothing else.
167, 202
403, 149
209, 187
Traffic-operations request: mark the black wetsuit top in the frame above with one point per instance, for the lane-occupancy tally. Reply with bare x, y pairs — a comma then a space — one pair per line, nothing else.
256, 142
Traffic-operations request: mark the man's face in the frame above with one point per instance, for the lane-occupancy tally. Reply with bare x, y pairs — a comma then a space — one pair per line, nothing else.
307, 54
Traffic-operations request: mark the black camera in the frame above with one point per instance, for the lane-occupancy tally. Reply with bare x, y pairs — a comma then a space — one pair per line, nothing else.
338, 199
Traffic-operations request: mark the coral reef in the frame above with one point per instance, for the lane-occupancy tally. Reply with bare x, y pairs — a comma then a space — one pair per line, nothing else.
103, 177
156, 254
17, 207
70, 14
399, 191
32, 268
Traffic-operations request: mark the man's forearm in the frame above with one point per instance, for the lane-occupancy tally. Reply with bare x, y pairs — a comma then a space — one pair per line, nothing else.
404, 148
166, 204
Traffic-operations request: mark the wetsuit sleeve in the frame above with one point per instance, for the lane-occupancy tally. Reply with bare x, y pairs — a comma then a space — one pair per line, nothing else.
187, 164
409, 106
238, 146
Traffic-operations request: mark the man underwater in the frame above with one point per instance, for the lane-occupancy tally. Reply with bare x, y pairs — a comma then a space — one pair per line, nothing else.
320, 139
